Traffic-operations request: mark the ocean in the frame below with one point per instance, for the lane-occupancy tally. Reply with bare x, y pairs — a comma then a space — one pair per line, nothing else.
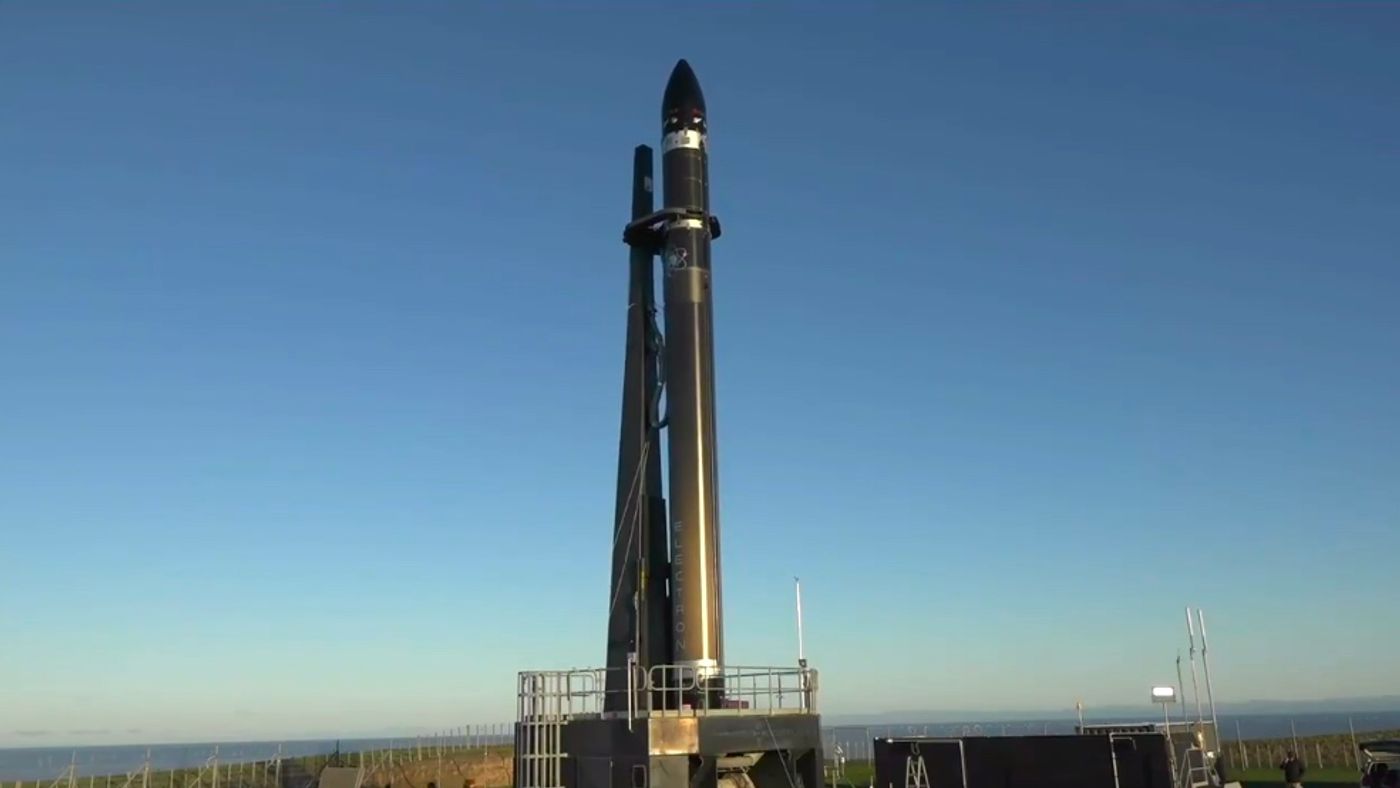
46, 763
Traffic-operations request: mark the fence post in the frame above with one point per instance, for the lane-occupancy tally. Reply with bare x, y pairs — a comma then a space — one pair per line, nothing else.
1355, 751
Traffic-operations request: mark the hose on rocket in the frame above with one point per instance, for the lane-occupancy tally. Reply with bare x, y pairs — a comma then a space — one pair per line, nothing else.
633, 519
656, 343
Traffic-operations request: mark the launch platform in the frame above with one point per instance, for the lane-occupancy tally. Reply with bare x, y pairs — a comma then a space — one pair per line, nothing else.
766, 732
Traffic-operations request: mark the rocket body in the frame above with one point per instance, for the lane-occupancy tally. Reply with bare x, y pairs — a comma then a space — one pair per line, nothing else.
696, 616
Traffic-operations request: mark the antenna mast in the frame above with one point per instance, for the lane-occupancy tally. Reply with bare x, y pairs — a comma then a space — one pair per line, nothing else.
801, 652
1195, 688
1205, 663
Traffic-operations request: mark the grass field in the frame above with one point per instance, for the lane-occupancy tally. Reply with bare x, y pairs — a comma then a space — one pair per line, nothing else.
486, 767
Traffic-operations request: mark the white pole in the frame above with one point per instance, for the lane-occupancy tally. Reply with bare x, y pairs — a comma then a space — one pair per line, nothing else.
1079, 707
801, 651
1205, 663
1195, 688
1181, 690
1355, 750
1244, 752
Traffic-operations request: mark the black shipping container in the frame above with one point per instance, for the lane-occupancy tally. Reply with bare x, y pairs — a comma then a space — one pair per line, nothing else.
1118, 761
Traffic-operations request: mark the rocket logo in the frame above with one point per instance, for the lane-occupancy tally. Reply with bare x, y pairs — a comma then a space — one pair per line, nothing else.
677, 258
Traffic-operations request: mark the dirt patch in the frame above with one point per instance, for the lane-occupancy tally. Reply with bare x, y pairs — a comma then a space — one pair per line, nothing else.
487, 769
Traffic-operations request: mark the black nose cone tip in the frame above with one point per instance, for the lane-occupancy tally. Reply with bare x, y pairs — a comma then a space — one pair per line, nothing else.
683, 96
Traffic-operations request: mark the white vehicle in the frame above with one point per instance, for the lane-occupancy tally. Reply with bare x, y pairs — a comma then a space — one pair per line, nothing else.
1380, 763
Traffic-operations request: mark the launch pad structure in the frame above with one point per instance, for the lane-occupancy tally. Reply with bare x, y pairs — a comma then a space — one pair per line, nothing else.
666, 711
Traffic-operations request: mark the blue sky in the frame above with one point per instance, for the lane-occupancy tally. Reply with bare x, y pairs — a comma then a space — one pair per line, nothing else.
1033, 326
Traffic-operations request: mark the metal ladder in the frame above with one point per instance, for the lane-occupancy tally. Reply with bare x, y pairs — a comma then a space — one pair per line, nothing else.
539, 749
539, 759
1195, 772
915, 772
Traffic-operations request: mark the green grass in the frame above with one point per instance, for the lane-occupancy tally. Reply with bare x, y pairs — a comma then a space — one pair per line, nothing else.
240, 776
858, 773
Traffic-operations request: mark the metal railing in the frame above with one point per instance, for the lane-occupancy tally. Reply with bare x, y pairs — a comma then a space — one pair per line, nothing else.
732, 690
666, 690
561, 694
545, 701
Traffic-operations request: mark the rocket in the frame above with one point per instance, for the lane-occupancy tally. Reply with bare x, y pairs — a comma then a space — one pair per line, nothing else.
665, 668
665, 597
696, 620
